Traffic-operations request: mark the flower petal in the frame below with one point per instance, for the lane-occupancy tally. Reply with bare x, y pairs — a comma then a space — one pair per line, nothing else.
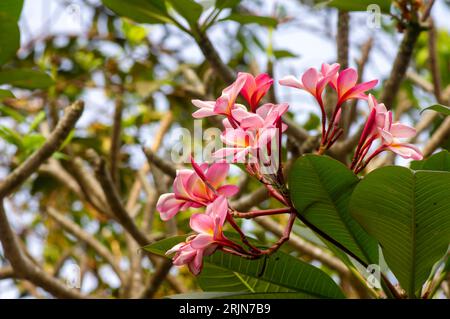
402, 130
291, 81
202, 223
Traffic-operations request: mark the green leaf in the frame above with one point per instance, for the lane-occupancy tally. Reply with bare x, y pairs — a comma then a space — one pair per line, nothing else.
280, 54
26, 78
223, 4
188, 9
247, 19
278, 273
5, 94
12, 8
141, 11
361, 5
320, 189
10, 39
443, 109
8, 111
408, 213
437, 162
36, 121
233, 295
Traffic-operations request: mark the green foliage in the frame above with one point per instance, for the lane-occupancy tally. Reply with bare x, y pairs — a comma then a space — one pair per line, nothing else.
437, 162
407, 212
141, 11
247, 19
443, 109
320, 189
188, 9
26, 78
10, 35
278, 273
361, 5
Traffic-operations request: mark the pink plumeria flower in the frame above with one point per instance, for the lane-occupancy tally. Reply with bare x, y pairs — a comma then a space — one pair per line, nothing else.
266, 115
346, 87
255, 88
243, 143
312, 80
192, 189
209, 228
224, 104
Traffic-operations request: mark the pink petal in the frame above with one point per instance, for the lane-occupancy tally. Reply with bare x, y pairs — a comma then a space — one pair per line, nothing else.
201, 223
402, 131
406, 151
201, 241
309, 80
168, 206
252, 121
228, 190
357, 91
346, 80
291, 81
206, 108
217, 173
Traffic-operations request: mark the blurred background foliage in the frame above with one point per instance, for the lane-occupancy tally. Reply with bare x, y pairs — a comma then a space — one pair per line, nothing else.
142, 77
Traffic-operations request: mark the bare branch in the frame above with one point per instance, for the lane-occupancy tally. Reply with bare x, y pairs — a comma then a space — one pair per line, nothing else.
53, 143
164, 165
438, 137
116, 140
115, 203
401, 62
87, 238
26, 269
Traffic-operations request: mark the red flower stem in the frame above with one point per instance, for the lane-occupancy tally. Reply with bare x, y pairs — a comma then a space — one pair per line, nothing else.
257, 213
333, 118
324, 119
363, 165
241, 233
240, 254
284, 238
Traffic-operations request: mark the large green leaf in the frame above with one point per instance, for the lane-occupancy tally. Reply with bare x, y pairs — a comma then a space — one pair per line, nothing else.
278, 273
26, 78
320, 189
443, 109
409, 214
361, 5
141, 11
437, 162
234, 295
10, 39
12, 8
188, 9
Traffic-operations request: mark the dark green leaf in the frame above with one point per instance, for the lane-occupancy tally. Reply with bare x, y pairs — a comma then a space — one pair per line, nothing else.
278, 273
5, 94
10, 39
280, 54
234, 295
408, 213
8, 111
26, 78
12, 8
443, 109
361, 5
188, 9
437, 162
141, 11
247, 19
222, 4
320, 189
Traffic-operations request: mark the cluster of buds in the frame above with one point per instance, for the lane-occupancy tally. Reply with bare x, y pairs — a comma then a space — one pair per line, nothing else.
247, 131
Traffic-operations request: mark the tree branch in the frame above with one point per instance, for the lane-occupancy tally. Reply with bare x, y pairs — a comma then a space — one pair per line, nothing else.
53, 143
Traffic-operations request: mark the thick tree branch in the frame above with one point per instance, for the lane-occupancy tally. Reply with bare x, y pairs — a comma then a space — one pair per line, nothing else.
401, 62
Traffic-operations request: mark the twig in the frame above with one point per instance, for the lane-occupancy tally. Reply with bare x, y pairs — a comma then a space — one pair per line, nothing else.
24, 268
434, 65
116, 141
6, 273
439, 136
115, 203
157, 279
401, 62
53, 143
164, 165
87, 238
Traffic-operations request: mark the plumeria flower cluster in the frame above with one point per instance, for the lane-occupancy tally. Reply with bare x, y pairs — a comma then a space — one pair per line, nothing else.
247, 130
